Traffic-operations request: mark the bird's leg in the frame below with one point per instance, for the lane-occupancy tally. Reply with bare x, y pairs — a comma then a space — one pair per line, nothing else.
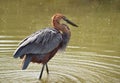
41, 72
47, 69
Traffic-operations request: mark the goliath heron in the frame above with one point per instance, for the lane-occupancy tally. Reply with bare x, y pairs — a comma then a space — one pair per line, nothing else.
42, 45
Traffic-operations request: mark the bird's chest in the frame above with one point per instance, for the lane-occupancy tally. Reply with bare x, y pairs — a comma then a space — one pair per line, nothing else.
65, 40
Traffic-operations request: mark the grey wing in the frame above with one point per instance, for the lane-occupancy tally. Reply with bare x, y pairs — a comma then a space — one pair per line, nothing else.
41, 42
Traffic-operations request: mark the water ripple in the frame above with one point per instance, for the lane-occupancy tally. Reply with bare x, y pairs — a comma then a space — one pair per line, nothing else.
9, 41
68, 67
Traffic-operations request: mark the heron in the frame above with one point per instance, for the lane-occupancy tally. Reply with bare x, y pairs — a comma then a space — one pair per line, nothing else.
42, 45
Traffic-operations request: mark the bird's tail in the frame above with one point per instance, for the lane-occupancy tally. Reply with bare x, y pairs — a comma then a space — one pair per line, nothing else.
26, 61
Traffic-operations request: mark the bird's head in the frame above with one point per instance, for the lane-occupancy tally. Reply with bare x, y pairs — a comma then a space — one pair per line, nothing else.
57, 17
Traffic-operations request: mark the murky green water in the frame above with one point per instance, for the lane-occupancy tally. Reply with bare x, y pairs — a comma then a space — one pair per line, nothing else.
92, 56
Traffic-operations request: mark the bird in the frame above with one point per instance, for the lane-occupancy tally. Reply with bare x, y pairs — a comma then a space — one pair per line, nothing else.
42, 45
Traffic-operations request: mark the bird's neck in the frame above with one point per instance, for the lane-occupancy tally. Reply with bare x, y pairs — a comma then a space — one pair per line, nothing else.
61, 27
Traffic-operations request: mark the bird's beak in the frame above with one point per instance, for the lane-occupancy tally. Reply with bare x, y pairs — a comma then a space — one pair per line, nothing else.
68, 21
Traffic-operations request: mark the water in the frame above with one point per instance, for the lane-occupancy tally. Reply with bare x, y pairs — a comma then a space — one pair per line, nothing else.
92, 56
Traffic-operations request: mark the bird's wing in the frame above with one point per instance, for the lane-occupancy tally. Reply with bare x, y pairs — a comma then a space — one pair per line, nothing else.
41, 42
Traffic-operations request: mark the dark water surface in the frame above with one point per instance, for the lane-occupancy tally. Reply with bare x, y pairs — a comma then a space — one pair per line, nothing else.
92, 56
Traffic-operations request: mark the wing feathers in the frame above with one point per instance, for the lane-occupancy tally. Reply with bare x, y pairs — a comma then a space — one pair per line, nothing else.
41, 42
